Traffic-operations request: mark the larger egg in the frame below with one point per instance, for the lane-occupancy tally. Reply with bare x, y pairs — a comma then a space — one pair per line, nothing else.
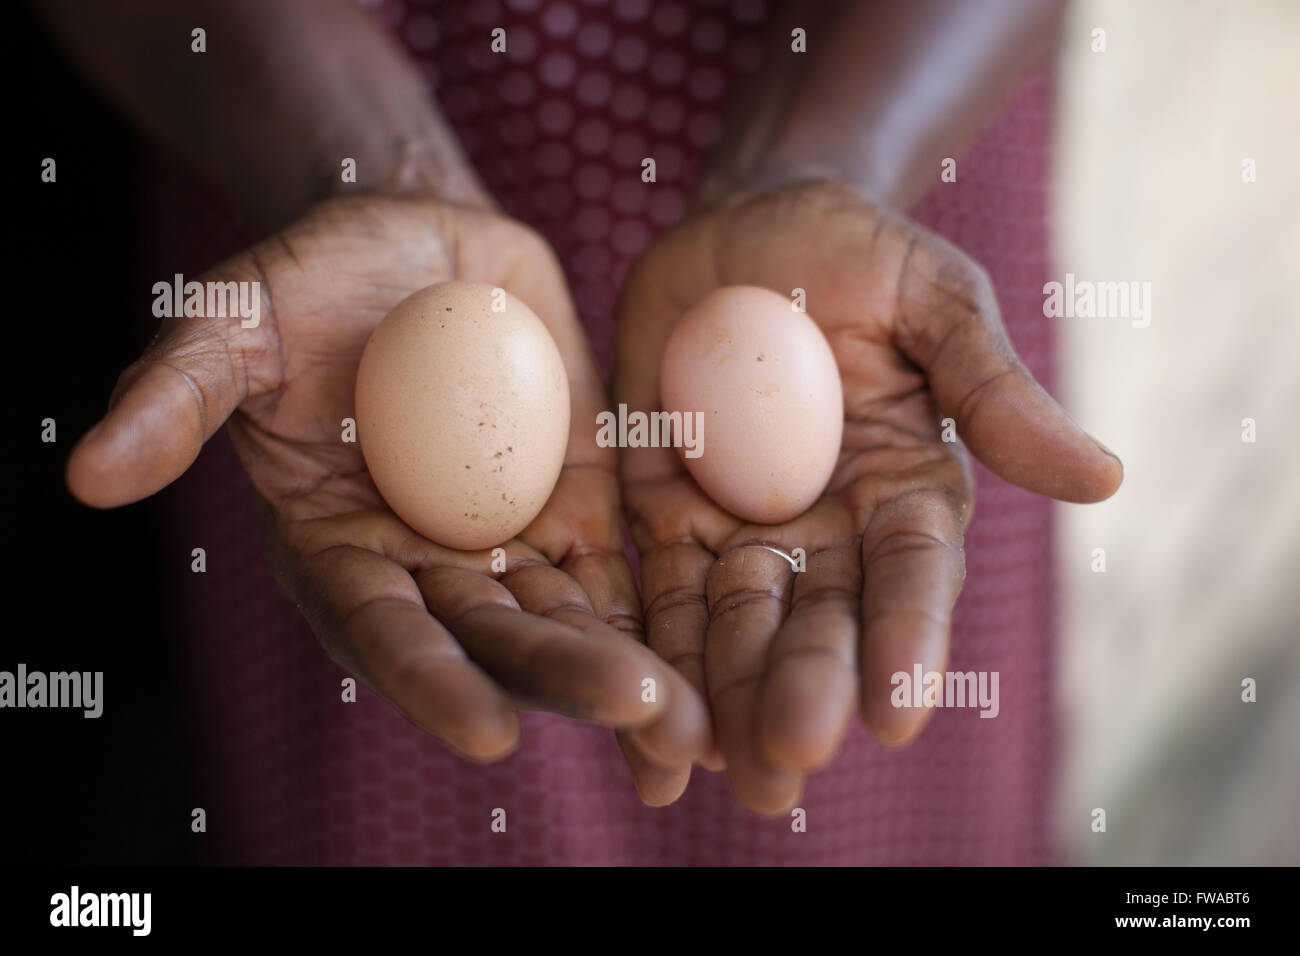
462, 407
763, 380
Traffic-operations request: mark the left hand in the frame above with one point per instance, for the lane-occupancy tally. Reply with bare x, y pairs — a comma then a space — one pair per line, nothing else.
916, 334
456, 645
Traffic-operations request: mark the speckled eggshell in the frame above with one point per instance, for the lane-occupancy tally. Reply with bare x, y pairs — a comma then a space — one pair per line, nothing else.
463, 414
766, 380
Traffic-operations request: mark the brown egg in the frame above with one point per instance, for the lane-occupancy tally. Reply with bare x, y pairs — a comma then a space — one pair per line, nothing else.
463, 413
764, 382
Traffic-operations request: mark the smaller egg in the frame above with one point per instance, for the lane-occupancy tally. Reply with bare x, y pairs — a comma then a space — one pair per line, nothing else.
765, 379
462, 406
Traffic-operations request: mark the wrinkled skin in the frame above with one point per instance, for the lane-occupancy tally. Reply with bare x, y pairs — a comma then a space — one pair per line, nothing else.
784, 658
454, 646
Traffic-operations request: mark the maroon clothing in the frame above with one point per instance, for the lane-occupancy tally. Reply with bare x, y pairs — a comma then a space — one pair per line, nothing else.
558, 127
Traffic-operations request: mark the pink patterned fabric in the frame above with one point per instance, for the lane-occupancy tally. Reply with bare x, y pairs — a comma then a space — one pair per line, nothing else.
558, 128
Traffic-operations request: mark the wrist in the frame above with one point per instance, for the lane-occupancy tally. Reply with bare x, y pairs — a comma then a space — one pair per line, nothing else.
424, 163
719, 187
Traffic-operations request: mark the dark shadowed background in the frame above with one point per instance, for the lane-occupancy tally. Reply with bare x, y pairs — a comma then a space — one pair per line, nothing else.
84, 590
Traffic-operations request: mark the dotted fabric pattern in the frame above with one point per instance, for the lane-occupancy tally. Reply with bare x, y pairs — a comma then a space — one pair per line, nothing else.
557, 129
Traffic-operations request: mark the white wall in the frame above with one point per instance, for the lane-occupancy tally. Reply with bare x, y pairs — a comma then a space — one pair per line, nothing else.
1202, 587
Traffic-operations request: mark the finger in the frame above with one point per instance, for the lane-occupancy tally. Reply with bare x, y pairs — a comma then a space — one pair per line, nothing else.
543, 662
950, 326
808, 691
580, 532
173, 399
913, 568
673, 580
656, 784
677, 729
748, 594
371, 619
683, 733
605, 578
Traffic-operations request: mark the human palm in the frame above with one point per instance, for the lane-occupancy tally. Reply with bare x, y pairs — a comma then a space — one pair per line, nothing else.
913, 324
453, 644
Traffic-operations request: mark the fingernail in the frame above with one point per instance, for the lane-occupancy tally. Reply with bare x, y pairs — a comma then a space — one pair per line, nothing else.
1119, 461
1104, 448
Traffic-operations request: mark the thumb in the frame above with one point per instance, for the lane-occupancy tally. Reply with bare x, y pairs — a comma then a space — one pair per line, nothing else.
949, 325
189, 380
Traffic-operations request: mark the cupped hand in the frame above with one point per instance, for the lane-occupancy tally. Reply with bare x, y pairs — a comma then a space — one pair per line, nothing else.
914, 326
456, 647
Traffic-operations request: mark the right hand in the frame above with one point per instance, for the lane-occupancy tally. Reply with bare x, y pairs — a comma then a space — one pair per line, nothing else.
453, 646
913, 323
